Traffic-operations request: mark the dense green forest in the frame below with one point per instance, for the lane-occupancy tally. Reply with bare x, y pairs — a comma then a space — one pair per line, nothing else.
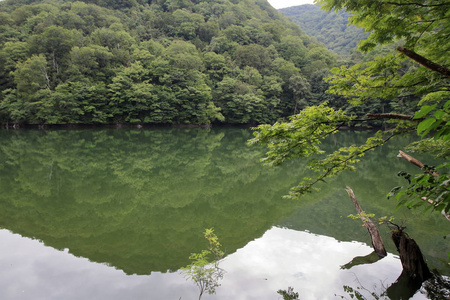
154, 61
329, 27
158, 62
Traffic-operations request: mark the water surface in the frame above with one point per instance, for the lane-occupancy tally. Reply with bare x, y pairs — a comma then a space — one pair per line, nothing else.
113, 214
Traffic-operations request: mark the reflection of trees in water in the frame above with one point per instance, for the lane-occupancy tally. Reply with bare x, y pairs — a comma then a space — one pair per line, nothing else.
437, 287
138, 199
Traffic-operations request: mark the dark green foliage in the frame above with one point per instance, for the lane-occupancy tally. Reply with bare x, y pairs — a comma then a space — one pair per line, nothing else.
171, 62
330, 28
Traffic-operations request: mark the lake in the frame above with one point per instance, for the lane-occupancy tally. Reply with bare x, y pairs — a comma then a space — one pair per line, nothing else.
115, 214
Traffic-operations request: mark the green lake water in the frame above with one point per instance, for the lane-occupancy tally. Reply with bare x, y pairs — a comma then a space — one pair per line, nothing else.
115, 213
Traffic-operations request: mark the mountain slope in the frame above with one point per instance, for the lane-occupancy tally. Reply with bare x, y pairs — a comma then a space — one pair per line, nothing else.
154, 61
330, 28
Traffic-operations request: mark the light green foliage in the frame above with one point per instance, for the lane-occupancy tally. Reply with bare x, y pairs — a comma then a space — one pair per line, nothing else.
425, 189
438, 120
204, 269
365, 217
417, 71
419, 26
438, 147
301, 138
366, 81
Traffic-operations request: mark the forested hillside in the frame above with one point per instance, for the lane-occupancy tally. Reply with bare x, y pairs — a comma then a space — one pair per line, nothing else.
154, 61
330, 28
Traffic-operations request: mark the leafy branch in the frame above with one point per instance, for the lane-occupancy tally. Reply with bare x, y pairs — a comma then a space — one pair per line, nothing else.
301, 137
205, 270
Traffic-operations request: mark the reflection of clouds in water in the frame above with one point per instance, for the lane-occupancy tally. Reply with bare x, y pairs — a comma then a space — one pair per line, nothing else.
30, 270
309, 263
279, 259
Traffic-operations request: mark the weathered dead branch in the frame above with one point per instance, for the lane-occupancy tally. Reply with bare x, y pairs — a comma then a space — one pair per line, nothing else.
375, 236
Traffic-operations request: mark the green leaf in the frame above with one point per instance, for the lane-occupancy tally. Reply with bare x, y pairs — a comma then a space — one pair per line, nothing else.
426, 125
447, 105
439, 114
424, 110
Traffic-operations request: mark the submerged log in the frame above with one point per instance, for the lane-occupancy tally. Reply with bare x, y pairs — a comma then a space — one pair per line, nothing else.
375, 236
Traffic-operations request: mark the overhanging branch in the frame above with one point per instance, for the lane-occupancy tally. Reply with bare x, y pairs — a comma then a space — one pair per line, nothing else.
418, 4
416, 162
425, 62
391, 116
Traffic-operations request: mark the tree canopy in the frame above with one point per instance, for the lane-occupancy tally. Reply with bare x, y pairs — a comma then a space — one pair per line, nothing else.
160, 61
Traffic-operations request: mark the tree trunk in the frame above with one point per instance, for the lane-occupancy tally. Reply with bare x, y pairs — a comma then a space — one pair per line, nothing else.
375, 236
415, 270
413, 263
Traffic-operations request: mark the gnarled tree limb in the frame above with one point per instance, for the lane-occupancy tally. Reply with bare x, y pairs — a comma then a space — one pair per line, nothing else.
425, 62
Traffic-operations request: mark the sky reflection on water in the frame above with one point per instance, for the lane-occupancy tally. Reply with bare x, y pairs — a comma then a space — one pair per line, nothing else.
280, 258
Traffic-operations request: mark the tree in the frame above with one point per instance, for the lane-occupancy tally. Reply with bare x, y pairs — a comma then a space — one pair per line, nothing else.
11, 53
330, 28
32, 75
253, 55
55, 42
88, 61
300, 88
419, 68
216, 65
240, 102
204, 270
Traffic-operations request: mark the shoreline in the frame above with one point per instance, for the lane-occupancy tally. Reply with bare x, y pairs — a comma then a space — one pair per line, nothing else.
147, 126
